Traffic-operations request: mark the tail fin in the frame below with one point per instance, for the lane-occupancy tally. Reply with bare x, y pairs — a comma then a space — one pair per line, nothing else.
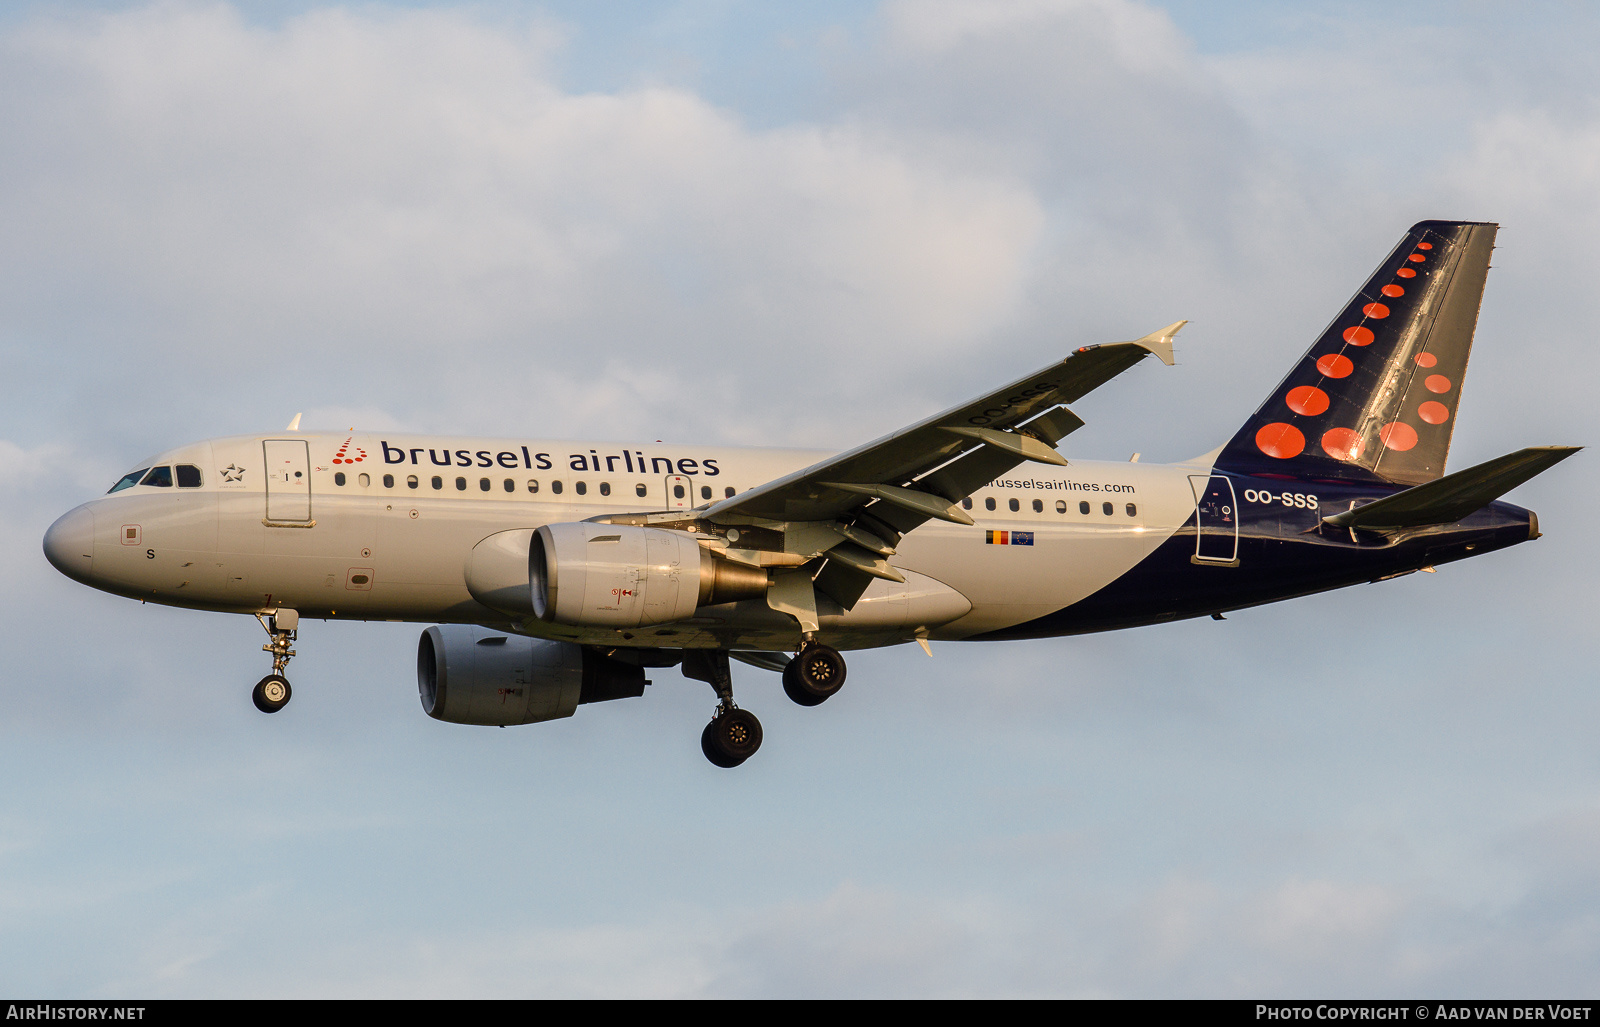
1375, 397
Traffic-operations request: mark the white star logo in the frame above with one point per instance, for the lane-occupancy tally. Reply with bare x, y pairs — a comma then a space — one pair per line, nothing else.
232, 473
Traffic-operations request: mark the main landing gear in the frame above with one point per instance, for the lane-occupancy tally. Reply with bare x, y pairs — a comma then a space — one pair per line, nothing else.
272, 693
814, 675
734, 735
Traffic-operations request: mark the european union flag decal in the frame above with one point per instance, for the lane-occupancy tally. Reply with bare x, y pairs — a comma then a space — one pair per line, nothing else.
1022, 538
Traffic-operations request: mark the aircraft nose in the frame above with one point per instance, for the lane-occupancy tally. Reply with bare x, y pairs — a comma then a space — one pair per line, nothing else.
69, 544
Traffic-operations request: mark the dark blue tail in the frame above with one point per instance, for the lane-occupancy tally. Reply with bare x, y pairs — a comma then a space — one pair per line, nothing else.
1375, 397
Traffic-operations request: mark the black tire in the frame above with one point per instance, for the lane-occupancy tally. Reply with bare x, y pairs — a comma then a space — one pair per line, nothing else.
817, 673
795, 690
732, 737
709, 747
272, 693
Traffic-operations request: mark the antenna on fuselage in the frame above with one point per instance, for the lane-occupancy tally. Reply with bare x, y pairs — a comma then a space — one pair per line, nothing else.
294, 425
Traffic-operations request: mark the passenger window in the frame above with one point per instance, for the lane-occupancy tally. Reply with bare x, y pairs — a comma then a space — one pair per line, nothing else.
582, 488
677, 492
128, 481
640, 489
1038, 506
461, 484
605, 488
365, 479
483, 484
966, 503
1061, 506
437, 482
188, 476
161, 477
1083, 507
705, 492
338, 478
388, 481
727, 493
511, 486
555, 487
988, 504
533, 485
1133, 511
411, 481
1015, 506
1107, 508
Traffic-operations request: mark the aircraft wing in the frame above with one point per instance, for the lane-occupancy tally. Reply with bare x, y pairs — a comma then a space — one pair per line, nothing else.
923, 471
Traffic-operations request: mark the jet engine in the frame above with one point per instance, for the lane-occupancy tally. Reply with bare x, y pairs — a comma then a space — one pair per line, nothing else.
605, 575
471, 675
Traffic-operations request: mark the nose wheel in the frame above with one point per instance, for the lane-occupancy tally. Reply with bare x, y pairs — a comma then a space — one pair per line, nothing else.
272, 693
812, 677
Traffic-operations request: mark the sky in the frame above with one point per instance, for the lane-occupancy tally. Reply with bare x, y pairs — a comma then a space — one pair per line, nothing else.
807, 225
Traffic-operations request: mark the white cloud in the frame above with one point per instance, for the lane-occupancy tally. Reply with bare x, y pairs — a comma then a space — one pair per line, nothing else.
403, 209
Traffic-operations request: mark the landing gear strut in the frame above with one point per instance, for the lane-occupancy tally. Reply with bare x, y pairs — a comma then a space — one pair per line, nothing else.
733, 735
272, 693
814, 675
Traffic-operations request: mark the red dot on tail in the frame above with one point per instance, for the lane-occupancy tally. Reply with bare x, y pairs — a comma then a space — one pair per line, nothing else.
1398, 435
1335, 366
1392, 291
1424, 245
1342, 443
1406, 272
1434, 412
1280, 441
1416, 258
1375, 310
1358, 336
1437, 383
1307, 399
1426, 360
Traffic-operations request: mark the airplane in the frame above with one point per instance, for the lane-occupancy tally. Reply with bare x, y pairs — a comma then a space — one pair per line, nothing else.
556, 573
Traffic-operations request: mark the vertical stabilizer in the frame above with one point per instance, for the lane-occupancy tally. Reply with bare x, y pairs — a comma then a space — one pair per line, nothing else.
1376, 396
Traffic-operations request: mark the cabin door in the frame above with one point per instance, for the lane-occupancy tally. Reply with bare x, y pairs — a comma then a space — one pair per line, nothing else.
288, 480
1216, 539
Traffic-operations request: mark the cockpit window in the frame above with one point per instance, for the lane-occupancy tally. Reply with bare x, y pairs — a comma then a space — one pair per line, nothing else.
188, 476
161, 477
128, 481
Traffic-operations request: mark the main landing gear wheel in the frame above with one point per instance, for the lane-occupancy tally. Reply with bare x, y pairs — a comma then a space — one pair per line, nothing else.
732, 737
272, 693
814, 675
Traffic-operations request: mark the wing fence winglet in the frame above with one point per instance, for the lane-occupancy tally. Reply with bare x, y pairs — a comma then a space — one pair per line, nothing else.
1160, 343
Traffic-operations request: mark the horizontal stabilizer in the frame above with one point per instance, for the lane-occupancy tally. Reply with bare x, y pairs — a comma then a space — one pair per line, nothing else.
1449, 499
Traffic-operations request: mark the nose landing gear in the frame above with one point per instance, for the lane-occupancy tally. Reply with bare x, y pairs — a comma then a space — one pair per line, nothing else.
272, 693
733, 735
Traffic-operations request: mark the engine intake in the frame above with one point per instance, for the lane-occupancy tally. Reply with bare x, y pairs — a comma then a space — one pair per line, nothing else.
471, 675
605, 575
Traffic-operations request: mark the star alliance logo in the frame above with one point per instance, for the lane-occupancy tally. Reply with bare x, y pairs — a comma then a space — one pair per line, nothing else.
232, 473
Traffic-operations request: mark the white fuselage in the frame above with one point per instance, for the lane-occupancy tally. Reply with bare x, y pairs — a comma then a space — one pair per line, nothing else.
380, 526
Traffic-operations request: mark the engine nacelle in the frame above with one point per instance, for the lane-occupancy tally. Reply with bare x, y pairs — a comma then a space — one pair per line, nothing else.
470, 675
605, 575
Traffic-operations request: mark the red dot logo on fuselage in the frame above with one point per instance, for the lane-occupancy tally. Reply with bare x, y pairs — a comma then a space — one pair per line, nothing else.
342, 456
